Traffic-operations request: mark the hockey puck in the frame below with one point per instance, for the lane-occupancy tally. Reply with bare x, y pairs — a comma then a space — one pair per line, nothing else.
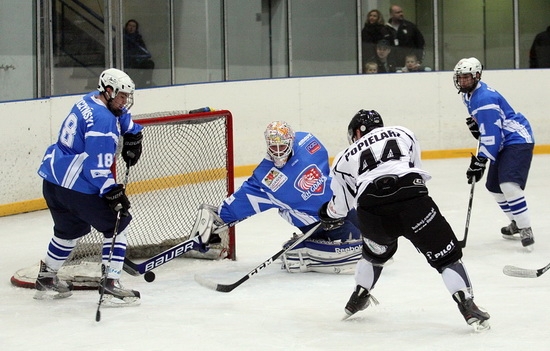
149, 276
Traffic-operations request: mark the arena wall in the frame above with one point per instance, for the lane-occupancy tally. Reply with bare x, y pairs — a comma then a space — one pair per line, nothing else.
427, 103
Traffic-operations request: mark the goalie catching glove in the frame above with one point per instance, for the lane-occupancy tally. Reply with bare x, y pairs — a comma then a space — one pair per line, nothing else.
476, 169
208, 225
328, 222
131, 148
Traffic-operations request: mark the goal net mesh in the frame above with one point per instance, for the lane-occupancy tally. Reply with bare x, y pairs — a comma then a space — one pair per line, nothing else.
187, 160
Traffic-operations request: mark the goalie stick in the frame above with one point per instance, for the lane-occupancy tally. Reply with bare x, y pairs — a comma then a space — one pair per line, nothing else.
514, 271
230, 287
194, 243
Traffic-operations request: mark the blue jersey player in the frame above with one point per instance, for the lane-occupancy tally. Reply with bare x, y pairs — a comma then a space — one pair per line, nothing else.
505, 140
80, 188
293, 178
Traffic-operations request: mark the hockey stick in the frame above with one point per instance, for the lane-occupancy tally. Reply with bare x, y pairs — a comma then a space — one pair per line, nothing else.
194, 243
132, 268
229, 287
514, 271
462, 242
105, 268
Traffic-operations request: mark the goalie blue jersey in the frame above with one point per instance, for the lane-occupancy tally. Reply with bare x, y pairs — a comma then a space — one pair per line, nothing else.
84, 153
297, 190
498, 123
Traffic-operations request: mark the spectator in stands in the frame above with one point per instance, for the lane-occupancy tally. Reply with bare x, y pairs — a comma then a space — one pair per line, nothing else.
373, 31
405, 36
370, 67
539, 55
383, 57
136, 55
413, 65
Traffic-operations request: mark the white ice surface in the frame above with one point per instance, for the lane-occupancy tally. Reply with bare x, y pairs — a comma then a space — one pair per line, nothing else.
275, 310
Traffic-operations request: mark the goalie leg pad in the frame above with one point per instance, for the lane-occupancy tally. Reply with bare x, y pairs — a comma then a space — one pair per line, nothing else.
323, 256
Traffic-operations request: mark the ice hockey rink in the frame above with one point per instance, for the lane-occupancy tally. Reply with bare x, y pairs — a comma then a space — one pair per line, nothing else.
276, 310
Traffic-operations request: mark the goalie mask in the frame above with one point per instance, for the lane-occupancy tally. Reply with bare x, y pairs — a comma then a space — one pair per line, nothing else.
467, 66
364, 121
119, 82
279, 138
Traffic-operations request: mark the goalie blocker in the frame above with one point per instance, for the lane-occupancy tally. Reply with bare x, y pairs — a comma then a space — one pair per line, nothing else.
310, 256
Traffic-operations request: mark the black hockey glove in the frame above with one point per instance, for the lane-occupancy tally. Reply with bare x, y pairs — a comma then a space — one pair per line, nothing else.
476, 169
329, 223
131, 148
472, 125
117, 200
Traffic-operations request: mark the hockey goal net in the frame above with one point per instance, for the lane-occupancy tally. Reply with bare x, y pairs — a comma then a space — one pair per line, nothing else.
187, 160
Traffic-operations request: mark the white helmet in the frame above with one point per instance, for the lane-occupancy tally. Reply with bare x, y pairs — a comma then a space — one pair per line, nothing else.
119, 82
279, 138
468, 66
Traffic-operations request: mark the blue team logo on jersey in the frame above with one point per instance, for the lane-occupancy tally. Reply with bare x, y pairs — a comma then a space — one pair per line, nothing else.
313, 147
311, 182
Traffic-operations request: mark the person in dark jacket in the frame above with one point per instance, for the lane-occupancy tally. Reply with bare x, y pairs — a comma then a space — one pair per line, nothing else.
539, 55
406, 38
373, 31
136, 55
383, 57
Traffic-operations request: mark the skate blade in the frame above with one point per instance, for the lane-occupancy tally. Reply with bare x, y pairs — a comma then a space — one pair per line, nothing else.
480, 327
513, 237
529, 248
50, 295
112, 301
347, 316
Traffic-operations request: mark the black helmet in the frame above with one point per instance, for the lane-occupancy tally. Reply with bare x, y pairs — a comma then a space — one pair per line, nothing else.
364, 121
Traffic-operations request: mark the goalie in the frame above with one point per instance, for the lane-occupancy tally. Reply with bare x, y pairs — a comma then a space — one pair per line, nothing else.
292, 178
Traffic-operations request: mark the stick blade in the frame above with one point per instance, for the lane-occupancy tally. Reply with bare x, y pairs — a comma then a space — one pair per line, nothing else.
213, 286
514, 271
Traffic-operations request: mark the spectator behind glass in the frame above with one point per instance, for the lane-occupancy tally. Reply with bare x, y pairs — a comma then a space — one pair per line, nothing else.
370, 67
136, 55
413, 65
383, 57
373, 31
405, 36
539, 55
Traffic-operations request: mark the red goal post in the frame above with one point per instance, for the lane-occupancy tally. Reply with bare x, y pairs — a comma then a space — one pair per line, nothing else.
187, 160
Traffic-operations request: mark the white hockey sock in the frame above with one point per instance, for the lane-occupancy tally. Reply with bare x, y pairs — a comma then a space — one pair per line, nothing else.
58, 252
456, 278
516, 201
366, 275
119, 252
503, 204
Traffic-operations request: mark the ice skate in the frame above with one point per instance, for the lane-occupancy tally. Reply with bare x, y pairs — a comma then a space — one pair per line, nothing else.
472, 314
359, 300
527, 238
116, 295
48, 286
511, 231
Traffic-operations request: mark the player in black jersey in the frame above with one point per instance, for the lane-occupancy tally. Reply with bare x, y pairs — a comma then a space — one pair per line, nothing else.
380, 174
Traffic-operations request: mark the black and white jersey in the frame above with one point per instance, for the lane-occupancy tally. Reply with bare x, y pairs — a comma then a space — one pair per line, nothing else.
383, 151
